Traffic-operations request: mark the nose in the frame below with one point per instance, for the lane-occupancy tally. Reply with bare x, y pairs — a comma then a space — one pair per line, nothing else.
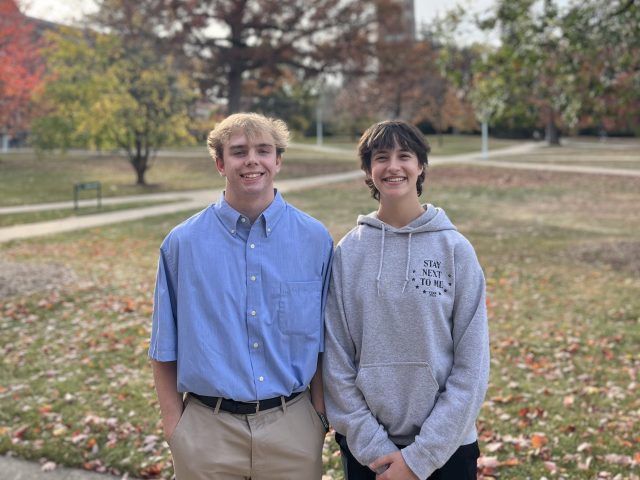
251, 157
394, 161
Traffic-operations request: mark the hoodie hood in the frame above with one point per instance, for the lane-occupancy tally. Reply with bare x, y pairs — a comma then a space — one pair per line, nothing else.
432, 220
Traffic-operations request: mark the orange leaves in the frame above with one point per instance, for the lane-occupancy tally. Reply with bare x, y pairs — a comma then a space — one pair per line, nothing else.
488, 467
152, 471
539, 440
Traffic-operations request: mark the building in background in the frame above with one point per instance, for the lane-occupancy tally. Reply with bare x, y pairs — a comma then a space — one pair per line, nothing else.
396, 21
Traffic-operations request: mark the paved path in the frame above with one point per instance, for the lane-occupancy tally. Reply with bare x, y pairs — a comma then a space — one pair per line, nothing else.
16, 469
554, 167
197, 199
192, 200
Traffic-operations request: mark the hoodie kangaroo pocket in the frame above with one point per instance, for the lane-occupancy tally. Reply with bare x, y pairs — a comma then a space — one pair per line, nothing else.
400, 395
300, 307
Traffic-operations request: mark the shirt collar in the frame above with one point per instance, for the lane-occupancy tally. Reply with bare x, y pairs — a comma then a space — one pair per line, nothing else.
268, 218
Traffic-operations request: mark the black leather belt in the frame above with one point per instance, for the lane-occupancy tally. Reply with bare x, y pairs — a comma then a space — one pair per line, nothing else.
244, 408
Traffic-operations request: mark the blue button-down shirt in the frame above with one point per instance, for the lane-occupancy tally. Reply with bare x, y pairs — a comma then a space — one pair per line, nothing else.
240, 306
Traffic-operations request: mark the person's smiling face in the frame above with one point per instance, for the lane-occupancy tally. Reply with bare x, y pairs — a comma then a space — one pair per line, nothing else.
394, 172
250, 167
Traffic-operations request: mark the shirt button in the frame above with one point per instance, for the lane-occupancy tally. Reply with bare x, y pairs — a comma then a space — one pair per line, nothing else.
256, 345
253, 245
268, 229
261, 378
233, 231
253, 313
253, 278
242, 219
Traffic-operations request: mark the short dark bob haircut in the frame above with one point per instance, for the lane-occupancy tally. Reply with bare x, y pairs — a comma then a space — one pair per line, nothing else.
388, 135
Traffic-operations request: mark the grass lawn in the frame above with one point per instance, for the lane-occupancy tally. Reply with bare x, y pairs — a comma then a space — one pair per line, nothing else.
26, 178
615, 153
561, 254
444, 145
46, 215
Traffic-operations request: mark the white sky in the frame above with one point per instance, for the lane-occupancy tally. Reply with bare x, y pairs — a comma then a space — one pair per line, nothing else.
64, 11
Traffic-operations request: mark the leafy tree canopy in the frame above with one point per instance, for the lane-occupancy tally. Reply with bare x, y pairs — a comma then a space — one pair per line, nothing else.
104, 94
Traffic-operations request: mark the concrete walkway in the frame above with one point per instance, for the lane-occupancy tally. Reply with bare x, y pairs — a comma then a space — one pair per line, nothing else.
16, 469
189, 200
197, 199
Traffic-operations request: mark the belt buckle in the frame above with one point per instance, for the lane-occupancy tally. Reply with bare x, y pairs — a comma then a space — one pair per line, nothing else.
257, 404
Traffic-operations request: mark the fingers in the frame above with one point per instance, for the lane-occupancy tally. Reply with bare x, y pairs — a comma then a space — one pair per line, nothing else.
380, 462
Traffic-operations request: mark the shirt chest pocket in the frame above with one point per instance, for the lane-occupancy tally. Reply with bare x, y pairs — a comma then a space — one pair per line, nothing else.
299, 311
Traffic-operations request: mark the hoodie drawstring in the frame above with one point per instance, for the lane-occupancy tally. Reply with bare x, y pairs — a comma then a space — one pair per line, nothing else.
406, 272
381, 258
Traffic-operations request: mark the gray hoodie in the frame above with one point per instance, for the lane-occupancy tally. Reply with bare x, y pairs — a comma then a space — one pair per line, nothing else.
407, 347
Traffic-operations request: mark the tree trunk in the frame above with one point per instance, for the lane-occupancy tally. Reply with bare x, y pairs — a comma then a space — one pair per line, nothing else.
139, 162
397, 106
439, 127
235, 90
552, 134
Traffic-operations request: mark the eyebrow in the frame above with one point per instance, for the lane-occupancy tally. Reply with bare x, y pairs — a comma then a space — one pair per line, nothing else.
388, 150
242, 146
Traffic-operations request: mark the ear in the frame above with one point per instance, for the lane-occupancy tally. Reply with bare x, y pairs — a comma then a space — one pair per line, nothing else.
278, 162
220, 166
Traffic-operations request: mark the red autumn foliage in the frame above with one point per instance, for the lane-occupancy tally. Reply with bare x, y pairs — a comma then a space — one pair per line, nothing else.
21, 67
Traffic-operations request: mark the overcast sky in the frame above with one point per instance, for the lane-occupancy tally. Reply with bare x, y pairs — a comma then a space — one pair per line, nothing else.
68, 10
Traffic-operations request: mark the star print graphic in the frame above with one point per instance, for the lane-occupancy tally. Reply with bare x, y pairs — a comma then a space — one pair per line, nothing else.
430, 278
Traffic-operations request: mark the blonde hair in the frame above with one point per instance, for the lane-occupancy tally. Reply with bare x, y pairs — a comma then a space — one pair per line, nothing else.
252, 125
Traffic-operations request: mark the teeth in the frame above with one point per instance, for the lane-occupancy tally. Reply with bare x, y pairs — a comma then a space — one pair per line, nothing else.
251, 175
395, 179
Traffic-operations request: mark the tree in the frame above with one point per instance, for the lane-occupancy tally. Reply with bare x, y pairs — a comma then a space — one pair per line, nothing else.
408, 84
231, 42
291, 99
563, 67
606, 42
103, 94
534, 65
21, 70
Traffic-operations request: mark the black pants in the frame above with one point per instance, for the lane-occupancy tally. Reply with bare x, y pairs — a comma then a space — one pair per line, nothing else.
461, 466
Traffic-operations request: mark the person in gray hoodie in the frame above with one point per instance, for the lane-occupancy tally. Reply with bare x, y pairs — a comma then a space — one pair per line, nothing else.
406, 361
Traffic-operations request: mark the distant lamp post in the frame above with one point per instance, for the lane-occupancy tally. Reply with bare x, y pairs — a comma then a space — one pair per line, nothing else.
5, 142
485, 139
319, 124
319, 112
489, 102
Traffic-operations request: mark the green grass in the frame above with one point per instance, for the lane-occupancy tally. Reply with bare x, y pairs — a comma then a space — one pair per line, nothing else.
47, 215
622, 154
445, 145
561, 257
26, 178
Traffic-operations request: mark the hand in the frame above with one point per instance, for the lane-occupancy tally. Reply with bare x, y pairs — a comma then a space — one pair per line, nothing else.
397, 468
169, 425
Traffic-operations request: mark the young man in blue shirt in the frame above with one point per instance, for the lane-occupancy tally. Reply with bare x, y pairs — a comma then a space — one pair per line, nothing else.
238, 318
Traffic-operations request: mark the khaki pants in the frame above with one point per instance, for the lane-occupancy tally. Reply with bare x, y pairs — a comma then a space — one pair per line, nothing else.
283, 443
